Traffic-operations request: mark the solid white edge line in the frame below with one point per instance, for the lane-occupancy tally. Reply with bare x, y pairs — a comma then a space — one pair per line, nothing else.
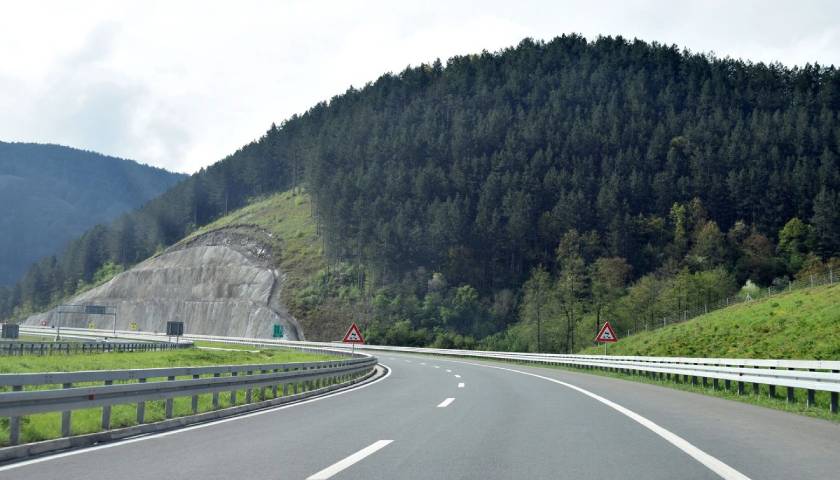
349, 461
446, 403
461, 385
721, 469
118, 443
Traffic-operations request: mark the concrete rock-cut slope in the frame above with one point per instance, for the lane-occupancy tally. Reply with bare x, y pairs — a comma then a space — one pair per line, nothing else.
219, 283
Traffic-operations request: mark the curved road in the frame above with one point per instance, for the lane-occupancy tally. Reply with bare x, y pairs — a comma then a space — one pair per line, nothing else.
451, 419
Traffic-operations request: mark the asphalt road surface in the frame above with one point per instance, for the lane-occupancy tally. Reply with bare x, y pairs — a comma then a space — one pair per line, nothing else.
441, 418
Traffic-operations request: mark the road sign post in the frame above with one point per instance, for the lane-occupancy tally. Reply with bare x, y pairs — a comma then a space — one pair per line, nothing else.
606, 336
353, 336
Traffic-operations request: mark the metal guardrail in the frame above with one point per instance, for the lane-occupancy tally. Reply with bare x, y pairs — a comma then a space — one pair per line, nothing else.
809, 375
140, 386
9, 348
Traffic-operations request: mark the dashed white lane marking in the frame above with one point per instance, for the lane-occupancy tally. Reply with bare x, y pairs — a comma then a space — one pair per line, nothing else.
721, 469
349, 461
457, 376
408, 361
436, 366
461, 385
445, 403
448, 371
422, 363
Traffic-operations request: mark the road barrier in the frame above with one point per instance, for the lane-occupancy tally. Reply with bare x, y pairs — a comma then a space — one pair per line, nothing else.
811, 376
114, 387
66, 348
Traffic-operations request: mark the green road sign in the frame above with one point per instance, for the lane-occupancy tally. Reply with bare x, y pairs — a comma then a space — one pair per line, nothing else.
278, 331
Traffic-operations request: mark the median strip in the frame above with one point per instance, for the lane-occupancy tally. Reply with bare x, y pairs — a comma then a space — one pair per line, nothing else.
350, 461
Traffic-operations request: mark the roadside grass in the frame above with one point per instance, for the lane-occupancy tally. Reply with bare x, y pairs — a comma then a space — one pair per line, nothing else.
170, 358
48, 425
801, 324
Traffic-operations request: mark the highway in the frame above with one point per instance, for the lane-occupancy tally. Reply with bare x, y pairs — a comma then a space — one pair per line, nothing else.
433, 417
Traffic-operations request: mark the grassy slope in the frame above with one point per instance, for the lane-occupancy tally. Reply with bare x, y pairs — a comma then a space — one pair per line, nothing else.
796, 325
173, 358
287, 216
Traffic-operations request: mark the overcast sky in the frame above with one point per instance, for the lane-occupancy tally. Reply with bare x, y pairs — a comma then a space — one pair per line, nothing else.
181, 84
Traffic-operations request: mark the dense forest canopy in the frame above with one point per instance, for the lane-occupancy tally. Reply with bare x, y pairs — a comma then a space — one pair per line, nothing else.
50, 194
466, 195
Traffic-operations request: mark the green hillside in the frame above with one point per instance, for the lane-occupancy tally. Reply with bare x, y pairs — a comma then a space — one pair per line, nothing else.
797, 325
313, 291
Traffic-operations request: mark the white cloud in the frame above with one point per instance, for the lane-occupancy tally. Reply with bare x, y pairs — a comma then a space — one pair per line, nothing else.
182, 84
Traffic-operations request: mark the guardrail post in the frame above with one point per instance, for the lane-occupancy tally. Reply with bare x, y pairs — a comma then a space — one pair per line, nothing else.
106, 411
195, 398
285, 385
169, 401
274, 387
832, 406
249, 389
262, 394
141, 407
811, 401
740, 388
14, 422
216, 394
65, 416
727, 384
233, 392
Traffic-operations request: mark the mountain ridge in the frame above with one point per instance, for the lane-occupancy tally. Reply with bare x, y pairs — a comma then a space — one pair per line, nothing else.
58, 192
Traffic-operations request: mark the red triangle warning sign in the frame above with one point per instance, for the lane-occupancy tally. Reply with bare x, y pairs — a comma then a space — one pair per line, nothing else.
353, 335
607, 334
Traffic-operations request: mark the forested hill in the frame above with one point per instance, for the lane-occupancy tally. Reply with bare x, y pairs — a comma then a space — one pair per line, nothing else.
609, 164
50, 194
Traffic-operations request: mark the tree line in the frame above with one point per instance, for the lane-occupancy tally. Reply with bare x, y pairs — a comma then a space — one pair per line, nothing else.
461, 191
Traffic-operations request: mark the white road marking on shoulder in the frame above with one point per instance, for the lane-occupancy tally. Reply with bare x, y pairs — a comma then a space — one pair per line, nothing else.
187, 429
461, 385
349, 461
448, 371
436, 366
721, 469
457, 376
445, 403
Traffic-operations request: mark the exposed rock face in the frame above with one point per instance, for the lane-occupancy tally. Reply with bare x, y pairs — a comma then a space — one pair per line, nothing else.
219, 283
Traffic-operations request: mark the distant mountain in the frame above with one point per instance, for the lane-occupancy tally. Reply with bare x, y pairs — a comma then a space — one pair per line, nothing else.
50, 194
